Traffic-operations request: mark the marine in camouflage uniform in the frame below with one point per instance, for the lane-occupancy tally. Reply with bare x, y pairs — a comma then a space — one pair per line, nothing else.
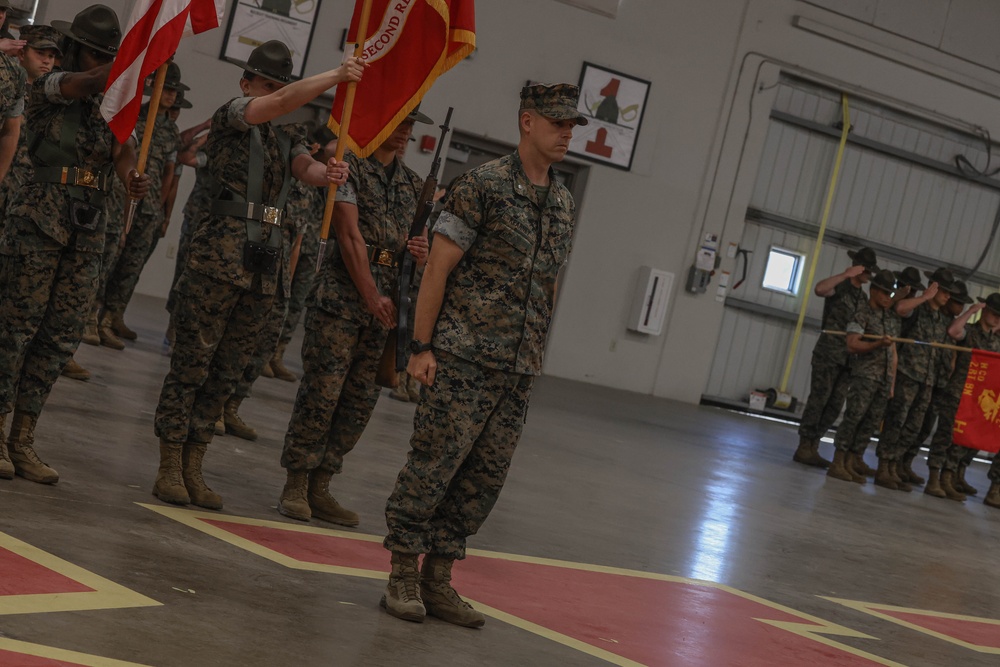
952, 369
983, 335
830, 377
228, 285
195, 210
487, 297
924, 320
123, 276
872, 370
37, 58
50, 250
350, 313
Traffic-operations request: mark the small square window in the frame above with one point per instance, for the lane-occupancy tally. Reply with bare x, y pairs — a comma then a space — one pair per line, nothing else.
784, 268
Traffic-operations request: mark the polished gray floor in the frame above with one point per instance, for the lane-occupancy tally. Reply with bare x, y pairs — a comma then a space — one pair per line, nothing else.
601, 477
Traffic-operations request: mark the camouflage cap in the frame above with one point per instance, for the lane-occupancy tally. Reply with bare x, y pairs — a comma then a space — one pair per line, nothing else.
910, 277
271, 60
961, 293
41, 37
864, 257
557, 101
943, 277
885, 280
992, 302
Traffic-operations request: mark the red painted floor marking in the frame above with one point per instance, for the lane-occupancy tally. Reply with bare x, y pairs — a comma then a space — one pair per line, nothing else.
21, 576
12, 659
965, 630
650, 621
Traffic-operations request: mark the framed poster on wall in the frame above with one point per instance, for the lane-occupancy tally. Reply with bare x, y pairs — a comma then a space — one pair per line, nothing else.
253, 22
614, 102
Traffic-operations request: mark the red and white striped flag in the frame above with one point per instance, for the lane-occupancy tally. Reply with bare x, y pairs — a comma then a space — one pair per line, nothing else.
151, 37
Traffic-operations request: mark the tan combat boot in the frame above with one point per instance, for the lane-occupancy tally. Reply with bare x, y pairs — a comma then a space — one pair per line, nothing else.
894, 473
993, 495
323, 505
906, 468
947, 476
75, 371
6, 467
440, 599
107, 333
837, 469
883, 477
278, 365
933, 487
402, 595
962, 485
234, 424
169, 484
860, 466
90, 335
22, 451
850, 465
808, 453
294, 501
121, 329
266, 370
194, 483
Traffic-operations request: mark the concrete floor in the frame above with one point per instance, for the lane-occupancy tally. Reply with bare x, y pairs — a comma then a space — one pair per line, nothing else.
614, 502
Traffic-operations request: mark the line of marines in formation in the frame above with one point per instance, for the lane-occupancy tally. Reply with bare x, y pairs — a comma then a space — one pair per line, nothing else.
903, 392
68, 269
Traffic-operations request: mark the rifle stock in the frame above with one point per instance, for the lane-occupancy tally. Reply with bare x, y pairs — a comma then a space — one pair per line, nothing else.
424, 207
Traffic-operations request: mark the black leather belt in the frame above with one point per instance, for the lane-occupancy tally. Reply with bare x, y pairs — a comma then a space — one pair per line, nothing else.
270, 215
84, 178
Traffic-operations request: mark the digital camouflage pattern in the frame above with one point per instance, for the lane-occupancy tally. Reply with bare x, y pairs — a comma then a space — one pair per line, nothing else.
904, 416
216, 328
337, 393
865, 408
48, 268
267, 341
343, 343
195, 209
114, 206
123, 275
917, 362
465, 431
217, 243
838, 310
875, 365
385, 210
20, 166
308, 221
498, 301
828, 387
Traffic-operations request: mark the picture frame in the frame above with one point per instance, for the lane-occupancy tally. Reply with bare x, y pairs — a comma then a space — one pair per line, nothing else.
614, 103
253, 22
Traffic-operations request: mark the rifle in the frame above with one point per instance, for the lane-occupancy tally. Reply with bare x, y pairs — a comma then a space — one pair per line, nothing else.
424, 207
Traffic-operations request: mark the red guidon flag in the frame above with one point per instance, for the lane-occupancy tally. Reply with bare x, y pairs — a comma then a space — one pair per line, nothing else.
410, 43
153, 32
977, 422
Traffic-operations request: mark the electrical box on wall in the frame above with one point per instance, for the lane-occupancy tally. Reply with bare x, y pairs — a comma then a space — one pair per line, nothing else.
652, 296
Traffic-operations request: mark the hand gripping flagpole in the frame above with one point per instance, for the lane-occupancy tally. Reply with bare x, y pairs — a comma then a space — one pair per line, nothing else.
345, 124
147, 139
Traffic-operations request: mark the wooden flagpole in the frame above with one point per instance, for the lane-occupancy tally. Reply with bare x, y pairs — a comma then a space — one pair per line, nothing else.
345, 124
910, 341
147, 139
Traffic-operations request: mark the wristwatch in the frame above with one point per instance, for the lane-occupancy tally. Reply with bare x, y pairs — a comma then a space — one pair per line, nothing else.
416, 347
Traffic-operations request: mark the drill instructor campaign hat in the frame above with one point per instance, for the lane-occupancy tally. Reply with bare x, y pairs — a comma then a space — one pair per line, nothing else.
95, 27
271, 60
943, 277
961, 293
418, 117
180, 102
171, 82
992, 302
885, 280
910, 277
864, 257
557, 101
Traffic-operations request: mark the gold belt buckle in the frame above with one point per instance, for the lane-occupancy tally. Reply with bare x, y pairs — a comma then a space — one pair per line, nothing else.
385, 258
85, 178
271, 215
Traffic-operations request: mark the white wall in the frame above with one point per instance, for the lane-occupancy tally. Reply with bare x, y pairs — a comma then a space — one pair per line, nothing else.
712, 64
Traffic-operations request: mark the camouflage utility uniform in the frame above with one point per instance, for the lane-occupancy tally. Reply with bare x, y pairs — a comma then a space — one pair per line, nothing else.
343, 341
488, 342
13, 78
49, 266
220, 306
915, 380
944, 403
831, 372
123, 276
871, 379
307, 209
196, 209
